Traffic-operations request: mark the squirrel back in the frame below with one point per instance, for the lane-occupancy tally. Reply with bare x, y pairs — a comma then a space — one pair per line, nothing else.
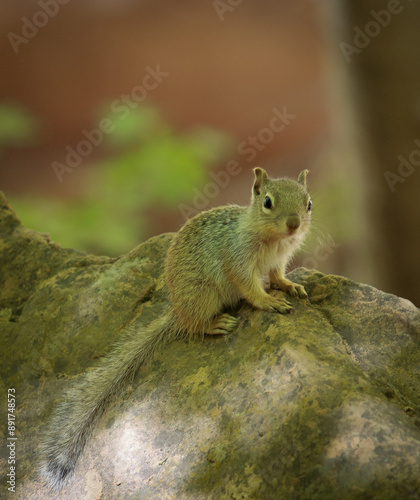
216, 259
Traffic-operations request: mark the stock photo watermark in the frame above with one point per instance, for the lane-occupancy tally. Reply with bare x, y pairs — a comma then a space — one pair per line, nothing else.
30, 27
264, 136
321, 253
11, 440
221, 7
120, 107
249, 148
406, 167
201, 199
362, 37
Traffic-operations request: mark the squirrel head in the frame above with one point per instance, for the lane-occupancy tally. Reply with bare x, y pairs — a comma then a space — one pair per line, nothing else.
282, 207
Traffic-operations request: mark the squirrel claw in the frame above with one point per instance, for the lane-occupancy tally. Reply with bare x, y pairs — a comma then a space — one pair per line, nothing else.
293, 289
275, 305
301, 292
222, 325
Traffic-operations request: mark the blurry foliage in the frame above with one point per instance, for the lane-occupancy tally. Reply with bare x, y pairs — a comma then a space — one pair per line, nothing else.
148, 166
17, 126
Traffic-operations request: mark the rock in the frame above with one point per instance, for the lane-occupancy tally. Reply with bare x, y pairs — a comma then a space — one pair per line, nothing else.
319, 404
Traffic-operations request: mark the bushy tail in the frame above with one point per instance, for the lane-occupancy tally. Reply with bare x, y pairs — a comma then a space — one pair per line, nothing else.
73, 421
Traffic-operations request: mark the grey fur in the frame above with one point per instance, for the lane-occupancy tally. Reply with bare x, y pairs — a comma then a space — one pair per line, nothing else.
74, 419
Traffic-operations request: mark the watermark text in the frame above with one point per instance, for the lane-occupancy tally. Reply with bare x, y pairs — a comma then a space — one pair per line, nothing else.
31, 27
249, 148
406, 167
121, 108
362, 37
11, 439
223, 6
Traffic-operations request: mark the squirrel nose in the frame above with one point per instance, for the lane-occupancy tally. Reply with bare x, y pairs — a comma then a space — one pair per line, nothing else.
293, 221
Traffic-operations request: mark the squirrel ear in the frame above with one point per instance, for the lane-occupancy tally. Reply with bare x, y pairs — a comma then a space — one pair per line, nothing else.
302, 177
260, 179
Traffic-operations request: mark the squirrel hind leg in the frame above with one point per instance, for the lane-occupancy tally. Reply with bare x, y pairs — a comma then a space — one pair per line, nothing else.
222, 325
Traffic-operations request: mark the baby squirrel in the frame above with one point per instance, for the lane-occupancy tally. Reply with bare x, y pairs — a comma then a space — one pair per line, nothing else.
217, 258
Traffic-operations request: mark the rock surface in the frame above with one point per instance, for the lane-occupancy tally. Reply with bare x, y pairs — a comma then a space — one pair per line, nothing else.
319, 404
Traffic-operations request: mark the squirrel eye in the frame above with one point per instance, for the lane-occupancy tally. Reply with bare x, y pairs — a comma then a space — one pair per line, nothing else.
267, 202
310, 205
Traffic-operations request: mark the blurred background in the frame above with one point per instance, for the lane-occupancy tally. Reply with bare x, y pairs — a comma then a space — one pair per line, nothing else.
120, 118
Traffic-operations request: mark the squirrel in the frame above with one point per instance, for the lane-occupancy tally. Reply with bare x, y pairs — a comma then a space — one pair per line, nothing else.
217, 258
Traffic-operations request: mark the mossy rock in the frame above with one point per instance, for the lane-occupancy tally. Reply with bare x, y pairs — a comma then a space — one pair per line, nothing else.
320, 404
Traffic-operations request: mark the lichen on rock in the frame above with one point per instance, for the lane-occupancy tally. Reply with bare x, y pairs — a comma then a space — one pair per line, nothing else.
322, 403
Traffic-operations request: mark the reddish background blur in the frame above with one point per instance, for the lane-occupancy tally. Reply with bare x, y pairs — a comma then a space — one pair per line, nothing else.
229, 63
228, 74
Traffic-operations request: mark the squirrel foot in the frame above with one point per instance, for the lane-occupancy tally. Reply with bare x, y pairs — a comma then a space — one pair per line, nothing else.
222, 325
293, 289
274, 304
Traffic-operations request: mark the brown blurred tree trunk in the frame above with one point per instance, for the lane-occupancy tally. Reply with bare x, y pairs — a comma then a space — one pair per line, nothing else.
381, 48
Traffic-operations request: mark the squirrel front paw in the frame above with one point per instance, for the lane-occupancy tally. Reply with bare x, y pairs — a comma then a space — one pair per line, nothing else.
274, 304
293, 289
